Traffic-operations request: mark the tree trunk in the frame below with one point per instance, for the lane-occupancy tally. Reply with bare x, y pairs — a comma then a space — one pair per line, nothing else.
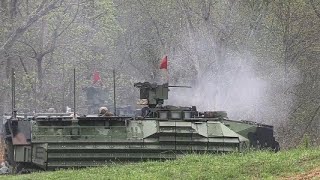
8, 65
39, 72
13, 9
4, 7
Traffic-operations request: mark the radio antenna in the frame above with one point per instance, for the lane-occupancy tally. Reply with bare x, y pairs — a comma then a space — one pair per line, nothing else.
114, 91
13, 92
74, 93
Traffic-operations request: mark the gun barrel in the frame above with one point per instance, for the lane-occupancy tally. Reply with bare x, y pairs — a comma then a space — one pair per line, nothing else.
181, 86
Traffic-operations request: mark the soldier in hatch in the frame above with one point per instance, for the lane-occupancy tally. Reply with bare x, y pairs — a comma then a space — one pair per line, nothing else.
145, 111
96, 94
103, 111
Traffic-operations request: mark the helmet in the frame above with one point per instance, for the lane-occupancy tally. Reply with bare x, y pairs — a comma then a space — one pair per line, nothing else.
103, 110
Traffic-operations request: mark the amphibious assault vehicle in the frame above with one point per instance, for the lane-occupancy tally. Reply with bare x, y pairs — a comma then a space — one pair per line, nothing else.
47, 141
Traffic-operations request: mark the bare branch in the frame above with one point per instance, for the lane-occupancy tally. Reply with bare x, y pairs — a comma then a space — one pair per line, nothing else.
41, 11
27, 44
23, 65
73, 19
153, 22
41, 6
314, 8
311, 120
55, 36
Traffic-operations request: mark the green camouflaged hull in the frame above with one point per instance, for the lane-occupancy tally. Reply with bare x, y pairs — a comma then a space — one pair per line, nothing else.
59, 140
99, 140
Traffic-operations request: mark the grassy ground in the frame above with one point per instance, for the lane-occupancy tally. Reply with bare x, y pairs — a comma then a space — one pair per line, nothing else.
253, 165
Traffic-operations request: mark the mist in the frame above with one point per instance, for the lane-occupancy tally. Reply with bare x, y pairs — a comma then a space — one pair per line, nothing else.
241, 93
240, 90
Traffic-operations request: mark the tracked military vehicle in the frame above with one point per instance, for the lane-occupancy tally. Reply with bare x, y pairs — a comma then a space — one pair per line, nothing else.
48, 141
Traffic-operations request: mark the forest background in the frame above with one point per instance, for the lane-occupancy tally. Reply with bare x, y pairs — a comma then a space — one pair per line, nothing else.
256, 59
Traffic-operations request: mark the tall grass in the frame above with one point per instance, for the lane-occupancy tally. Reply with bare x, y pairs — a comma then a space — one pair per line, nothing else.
251, 165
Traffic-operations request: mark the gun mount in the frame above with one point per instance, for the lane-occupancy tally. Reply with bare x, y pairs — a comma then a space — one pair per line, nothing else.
153, 94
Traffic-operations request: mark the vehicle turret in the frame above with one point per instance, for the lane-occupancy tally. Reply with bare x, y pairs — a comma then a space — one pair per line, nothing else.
153, 94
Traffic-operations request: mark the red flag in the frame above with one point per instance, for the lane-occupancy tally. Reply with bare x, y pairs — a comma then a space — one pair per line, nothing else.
164, 63
96, 77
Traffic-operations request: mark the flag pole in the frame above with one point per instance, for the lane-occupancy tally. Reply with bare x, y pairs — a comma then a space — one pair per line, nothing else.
13, 91
164, 65
167, 70
167, 75
74, 93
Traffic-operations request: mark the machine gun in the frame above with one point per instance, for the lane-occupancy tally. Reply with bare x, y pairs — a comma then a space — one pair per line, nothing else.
152, 94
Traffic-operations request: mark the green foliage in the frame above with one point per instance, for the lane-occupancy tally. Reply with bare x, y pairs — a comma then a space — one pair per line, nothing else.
305, 143
253, 165
105, 14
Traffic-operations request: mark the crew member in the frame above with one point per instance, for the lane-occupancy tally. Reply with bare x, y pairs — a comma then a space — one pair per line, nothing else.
103, 111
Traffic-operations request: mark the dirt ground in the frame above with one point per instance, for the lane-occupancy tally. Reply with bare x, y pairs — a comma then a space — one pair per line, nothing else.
313, 174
